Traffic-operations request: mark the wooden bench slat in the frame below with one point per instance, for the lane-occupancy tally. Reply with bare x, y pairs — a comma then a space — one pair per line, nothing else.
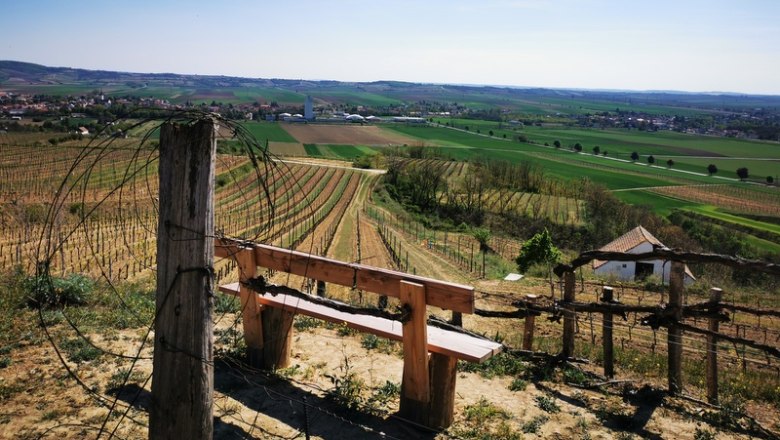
457, 345
442, 294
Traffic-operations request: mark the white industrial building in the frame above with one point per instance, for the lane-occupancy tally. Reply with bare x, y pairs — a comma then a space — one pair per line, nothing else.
636, 241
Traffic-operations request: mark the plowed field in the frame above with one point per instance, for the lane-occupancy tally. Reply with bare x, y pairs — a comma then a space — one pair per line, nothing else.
346, 134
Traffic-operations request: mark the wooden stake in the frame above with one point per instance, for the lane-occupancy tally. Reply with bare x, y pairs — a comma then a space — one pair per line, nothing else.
606, 335
528, 327
569, 315
674, 335
183, 375
716, 295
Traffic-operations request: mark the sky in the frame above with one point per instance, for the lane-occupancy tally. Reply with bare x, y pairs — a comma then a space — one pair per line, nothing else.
684, 45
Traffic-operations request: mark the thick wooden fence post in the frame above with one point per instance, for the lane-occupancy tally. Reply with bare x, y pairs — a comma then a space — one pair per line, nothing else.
674, 335
606, 334
183, 375
528, 327
569, 315
716, 295
443, 375
415, 385
250, 309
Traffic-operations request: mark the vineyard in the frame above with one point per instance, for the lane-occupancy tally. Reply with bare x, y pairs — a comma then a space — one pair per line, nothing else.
741, 199
94, 211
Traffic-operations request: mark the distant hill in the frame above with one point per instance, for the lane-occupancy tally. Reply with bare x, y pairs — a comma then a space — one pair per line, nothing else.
21, 77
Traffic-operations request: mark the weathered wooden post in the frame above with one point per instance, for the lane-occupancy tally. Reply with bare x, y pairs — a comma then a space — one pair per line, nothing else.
569, 315
606, 334
716, 295
183, 375
674, 334
528, 327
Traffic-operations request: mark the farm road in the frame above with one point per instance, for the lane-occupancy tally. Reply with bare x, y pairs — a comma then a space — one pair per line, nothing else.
326, 165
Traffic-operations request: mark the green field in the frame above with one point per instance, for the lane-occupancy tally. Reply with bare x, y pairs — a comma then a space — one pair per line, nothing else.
270, 131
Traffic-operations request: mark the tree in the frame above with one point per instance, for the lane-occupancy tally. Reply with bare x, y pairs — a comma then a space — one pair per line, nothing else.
742, 173
770, 180
539, 249
482, 235
596, 150
634, 156
490, 132
712, 169
650, 159
578, 147
557, 143
605, 152
670, 163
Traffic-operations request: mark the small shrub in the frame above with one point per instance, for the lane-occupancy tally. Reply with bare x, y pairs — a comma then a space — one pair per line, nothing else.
124, 376
369, 341
382, 396
703, 434
532, 426
303, 322
547, 404
79, 350
575, 376
227, 304
347, 388
5, 361
518, 384
46, 291
344, 330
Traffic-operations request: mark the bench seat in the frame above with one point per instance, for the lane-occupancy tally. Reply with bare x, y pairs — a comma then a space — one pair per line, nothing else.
445, 342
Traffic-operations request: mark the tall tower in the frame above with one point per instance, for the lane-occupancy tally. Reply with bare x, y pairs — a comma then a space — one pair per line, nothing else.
308, 109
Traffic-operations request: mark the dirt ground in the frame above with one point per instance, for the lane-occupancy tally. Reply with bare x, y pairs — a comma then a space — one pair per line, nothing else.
346, 134
48, 403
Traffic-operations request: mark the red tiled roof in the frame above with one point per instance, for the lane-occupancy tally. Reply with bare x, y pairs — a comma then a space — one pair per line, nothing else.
628, 241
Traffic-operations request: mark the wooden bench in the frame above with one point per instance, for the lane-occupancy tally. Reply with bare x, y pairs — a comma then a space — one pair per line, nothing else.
428, 384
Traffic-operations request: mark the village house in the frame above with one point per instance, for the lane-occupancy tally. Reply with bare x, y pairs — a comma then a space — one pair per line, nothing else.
636, 241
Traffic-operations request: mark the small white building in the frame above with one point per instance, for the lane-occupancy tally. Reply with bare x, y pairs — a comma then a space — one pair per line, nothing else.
636, 241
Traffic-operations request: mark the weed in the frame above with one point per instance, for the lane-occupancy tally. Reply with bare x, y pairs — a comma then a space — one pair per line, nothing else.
547, 404
532, 426
303, 322
624, 436
80, 350
289, 371
518, 384
369, 341
486, 421
574, 375
47, 291
382, 396
503, 364
50, 415
703, 434
227, 304
344, 330
347, 388
5, 361
122, 377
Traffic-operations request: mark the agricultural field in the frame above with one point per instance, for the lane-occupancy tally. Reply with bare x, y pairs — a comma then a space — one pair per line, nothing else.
352, 134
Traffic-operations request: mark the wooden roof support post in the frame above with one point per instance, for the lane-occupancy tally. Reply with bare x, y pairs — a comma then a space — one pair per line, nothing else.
250, 309
674, 335
183, 372
415, 385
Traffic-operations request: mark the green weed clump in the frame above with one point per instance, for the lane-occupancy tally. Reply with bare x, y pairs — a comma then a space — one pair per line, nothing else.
46, 291
547, 404
483, 421
79, 350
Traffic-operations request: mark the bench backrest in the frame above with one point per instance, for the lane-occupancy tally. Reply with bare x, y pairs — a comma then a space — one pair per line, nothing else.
442, 294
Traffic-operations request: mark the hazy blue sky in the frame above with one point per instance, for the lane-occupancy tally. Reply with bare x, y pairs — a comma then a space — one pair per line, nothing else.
690, 45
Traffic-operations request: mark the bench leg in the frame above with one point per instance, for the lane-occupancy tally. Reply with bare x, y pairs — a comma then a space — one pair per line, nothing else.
415, 388
250, 309
277, 338
443, 377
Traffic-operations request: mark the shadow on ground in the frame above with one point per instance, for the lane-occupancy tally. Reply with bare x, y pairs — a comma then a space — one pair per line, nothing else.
281, 400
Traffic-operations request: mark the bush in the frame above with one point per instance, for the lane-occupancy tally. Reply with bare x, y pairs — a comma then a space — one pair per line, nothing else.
80, 350
46, 291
